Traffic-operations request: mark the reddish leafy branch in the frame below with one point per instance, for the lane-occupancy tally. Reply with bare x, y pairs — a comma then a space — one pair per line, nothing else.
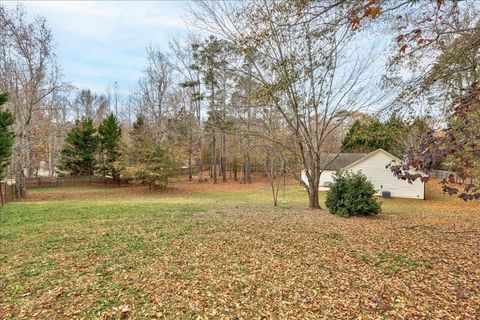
369, 10
458, 143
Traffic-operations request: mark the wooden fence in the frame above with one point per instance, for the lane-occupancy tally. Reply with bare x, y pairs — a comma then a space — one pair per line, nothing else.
73, 181
441, 174
45, 182
8, 193
444, 174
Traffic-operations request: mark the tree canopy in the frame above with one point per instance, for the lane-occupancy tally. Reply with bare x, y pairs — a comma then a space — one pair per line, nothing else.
394, 135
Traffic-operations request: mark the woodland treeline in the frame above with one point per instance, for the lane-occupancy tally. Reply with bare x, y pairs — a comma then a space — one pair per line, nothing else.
270, 84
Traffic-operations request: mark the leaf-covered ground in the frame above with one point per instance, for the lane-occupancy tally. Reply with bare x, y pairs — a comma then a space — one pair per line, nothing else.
225, 252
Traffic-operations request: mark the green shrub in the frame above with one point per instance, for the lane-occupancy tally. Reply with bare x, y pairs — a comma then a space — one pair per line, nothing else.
351, 194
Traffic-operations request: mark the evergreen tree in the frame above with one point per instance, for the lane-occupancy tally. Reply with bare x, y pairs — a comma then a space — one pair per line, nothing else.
109, 133
145, 161
6, 136
78, 154
366, 137
374, 134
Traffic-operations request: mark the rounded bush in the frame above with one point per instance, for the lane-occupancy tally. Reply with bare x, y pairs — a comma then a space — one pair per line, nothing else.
351, 194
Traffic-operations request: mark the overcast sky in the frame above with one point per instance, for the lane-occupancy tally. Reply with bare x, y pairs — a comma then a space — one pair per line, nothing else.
102, 42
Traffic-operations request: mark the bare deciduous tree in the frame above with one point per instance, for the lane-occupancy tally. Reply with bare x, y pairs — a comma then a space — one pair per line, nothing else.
187, 65
152, 92
310, 71
29, 73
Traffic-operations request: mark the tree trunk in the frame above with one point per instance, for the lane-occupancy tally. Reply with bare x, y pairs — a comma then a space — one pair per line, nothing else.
190, 167
20, 183
247, 178
214, 137
235, 169
274, 194
19, 156
224, 152
49, 154
200, 158
190, 150
313, 201
248, 170
200, 135
224, 135
28, 162
190, 146
200, 167
214, 156
244, 171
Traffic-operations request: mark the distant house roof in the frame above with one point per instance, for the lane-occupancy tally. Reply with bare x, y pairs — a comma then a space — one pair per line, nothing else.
340, 161
347, 160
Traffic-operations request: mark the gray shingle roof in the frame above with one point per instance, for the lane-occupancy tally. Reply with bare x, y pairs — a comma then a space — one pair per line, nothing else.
339, 161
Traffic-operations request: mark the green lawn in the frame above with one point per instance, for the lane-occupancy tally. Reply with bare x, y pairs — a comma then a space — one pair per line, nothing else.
227, 253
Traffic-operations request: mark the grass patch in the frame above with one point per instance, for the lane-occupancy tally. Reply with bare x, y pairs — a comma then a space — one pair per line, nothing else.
93, 252
334, 235
392, 262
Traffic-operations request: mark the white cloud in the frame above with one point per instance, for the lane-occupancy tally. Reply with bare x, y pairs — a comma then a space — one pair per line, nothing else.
100, 41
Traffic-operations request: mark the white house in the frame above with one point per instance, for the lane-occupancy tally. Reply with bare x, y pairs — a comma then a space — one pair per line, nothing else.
373, 166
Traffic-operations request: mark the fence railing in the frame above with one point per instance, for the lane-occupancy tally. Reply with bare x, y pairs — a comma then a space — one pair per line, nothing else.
444, 174
73, 181
8, 193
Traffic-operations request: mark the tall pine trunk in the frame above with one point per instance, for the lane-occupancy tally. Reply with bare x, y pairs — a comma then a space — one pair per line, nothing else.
224, 152
190, 146
247, 178
224, 135
214, 156
214, 137
190, 167
199, 142
235, 169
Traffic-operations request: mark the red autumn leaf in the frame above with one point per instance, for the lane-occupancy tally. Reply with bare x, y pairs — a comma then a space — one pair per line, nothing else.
400, 38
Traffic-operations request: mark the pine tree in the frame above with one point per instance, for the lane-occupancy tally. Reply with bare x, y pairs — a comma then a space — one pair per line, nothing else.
145, 161
211, 62
6, 136
78, 154
109, 133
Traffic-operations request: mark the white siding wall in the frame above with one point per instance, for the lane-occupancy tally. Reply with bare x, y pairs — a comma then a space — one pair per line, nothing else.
304, 177
383, 179
325, 177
